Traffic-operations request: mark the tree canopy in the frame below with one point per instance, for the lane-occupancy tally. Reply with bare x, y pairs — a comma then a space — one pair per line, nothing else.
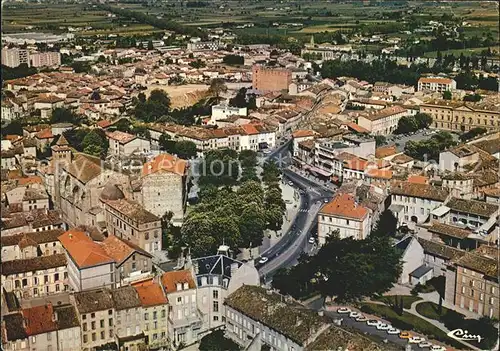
410, 124
429, 149
156, 106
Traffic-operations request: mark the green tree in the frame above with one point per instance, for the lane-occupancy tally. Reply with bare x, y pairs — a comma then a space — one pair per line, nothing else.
13, 127
252, 225
63, 115
423, 120
274, 218
150, 45
166, 143
185, 149
233, 60
406, 124
248, 158
93, 144
216, 341
471, 134
447, 95
380, 140
270, 172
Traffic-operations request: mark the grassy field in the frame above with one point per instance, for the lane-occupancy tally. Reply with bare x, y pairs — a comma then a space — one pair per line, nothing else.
407, 300
58, 17
466, 52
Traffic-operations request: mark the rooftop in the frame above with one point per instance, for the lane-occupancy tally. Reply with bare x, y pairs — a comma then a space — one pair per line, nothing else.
150, 293
120, 249
93, 300
83, 250
165, 163
449, 230
33, 264
478, 208
439, 249
170, 280
479, 263
424, 191
132, 210
39, 319
344, 205
121, 137
290, 319
125, 297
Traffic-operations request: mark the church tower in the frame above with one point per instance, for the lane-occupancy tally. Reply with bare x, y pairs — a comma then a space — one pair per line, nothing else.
61, 158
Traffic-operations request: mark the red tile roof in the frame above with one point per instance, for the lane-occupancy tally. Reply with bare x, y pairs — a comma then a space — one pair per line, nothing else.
301, 133
379, 173
83, 250
170, 280
418, 179
167, 163
39, 320
44, 134
150, 293
344, 205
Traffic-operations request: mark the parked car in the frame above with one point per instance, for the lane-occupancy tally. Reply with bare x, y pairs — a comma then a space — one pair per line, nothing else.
373, 322
393, 331
263, 260
343, 310
405, 335
355, 314
425, 345
361, 318
311, 240
383, 326
416, 340
290, 183
438, 348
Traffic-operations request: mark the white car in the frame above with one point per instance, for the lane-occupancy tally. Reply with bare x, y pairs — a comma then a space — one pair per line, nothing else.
425, 345
354, 314
383, 326
266, 151
393, 331
416, 340
438, 348
290, 183
373, 322
263, 260
311, 240
326, 201
361, 318
343, 310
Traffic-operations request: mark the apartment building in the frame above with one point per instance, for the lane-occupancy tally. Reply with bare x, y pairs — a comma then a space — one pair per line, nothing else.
472, 281
436, 84
345, 215
31, 245
44, 327
217, 277
35, 277
14, 57
163, 187
123, 144
45, 59
154, 307
129, 220
390, 89
473, 214
128, 319
185, 319
89, 266
256, 317
96, 315
382, 122
414, 202
462, 116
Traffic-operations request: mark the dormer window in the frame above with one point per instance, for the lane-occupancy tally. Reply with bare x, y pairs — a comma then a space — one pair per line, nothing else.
179, 287
186, 286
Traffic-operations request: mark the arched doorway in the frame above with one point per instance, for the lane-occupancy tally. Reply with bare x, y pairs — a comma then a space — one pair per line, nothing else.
414, 219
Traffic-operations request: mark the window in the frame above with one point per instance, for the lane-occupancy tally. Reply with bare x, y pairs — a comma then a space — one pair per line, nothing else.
94, 337
102, 323
33, 339
110, 321
84, 327
84, 316
93, 325
92, 315
163, 313
179, 300
216, 318
110, 312
154, 315
216, 294
56, 277
216, 306
146, 316
103, 335
49, 336
492, 300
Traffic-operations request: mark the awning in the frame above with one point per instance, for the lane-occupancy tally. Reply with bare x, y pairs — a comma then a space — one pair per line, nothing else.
440, 211
319, 171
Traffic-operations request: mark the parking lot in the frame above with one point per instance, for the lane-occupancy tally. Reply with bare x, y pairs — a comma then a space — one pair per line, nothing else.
372, 330
400, 140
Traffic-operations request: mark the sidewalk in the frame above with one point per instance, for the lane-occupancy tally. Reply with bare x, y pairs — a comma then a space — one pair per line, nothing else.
292, 199
306, 175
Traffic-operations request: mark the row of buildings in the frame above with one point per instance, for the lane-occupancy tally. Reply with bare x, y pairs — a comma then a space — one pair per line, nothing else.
15, 57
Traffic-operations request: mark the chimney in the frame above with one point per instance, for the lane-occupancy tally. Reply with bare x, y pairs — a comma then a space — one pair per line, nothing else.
70, 235
234, 268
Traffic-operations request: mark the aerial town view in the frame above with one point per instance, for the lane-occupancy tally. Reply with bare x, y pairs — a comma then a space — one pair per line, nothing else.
261, 175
